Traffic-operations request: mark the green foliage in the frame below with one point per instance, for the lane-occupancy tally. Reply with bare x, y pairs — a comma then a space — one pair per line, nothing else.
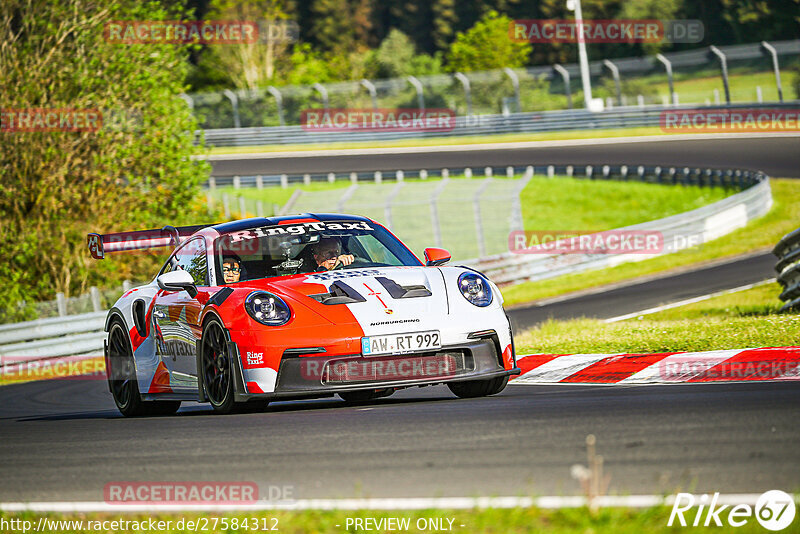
130, 174
487, 46
396, 57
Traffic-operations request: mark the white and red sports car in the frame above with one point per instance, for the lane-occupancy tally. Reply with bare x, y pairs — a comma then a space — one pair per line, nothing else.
304, 306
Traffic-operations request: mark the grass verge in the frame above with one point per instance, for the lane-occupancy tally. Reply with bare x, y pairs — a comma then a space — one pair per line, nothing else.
743, 319
489, 521
548, 204
762, 233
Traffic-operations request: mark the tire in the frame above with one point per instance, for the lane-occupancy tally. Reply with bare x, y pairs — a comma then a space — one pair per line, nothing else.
364, 395
217, 373
478, 388
122, 378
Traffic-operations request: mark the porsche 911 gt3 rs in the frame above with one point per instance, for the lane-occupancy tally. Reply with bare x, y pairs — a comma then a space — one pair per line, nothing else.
314, 305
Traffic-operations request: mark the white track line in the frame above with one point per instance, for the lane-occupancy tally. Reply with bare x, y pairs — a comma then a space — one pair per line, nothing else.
486, 146
400, 503
686, 301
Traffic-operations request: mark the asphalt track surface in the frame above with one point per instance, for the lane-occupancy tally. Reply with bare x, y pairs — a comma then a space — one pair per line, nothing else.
64, 440
650, 294
777, 156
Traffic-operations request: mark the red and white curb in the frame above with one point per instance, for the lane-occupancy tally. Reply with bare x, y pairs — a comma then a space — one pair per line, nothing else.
763, 364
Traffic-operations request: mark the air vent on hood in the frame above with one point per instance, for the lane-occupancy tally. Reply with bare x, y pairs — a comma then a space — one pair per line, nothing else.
339, 293
403, 292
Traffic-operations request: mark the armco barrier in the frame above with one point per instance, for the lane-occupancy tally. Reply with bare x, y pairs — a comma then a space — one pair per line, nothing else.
528, 122
788, 267
679, 232
83, 334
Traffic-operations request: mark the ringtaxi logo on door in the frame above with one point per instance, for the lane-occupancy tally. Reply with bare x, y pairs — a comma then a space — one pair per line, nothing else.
774, 510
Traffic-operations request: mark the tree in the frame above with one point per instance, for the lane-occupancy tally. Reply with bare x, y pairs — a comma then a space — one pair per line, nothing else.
251, 65
487, 46
59, 185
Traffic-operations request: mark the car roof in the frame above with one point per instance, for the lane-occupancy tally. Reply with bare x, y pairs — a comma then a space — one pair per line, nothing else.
254, 222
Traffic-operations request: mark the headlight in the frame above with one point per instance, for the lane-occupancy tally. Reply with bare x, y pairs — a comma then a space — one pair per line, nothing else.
267, 308
475, 289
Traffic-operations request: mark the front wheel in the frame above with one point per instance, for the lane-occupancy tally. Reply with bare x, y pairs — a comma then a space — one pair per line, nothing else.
478, 388
217, 372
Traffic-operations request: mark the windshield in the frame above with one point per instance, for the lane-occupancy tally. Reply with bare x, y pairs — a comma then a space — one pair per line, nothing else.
308, 247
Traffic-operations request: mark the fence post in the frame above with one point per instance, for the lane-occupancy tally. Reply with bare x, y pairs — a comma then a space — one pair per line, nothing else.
279, 102
467, 90
331, 177
95, 294
615, 73
476, 208
210, 202
551, 171
509, 172
437, 231
284, 181
373, 94
259, 182
418, 86
323, 93
772, 52
565, 76
423, 174
515, 82
306, 179
260, 208
237, 182
468, 172
723, 63
353, 178
668, 65
235, 105
242, 210
226, 206
212, 183
487, 172
378, 177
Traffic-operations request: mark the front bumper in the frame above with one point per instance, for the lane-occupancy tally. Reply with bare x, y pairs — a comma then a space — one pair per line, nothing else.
324, 375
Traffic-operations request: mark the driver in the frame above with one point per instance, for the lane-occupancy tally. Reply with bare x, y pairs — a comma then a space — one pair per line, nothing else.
327, 254
231, 269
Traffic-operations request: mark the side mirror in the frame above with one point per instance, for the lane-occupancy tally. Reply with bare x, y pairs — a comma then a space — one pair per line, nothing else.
177, 281
436, 256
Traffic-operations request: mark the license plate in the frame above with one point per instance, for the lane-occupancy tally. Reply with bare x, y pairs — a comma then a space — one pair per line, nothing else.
401, 343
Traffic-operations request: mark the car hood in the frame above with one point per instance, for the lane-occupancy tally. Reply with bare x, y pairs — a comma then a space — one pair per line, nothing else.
391, 299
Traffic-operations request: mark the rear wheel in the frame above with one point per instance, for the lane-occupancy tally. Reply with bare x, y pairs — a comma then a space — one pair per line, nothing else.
217, 372
122, 378
478, 388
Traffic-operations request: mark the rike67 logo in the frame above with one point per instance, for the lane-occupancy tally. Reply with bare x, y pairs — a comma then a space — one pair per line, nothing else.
774, 510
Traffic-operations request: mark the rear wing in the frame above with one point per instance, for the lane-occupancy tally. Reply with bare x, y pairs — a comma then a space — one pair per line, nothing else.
169, 236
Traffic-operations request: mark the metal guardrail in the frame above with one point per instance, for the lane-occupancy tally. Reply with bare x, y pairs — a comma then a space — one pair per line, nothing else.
788, 267
53, 337
83, 334
528, 122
